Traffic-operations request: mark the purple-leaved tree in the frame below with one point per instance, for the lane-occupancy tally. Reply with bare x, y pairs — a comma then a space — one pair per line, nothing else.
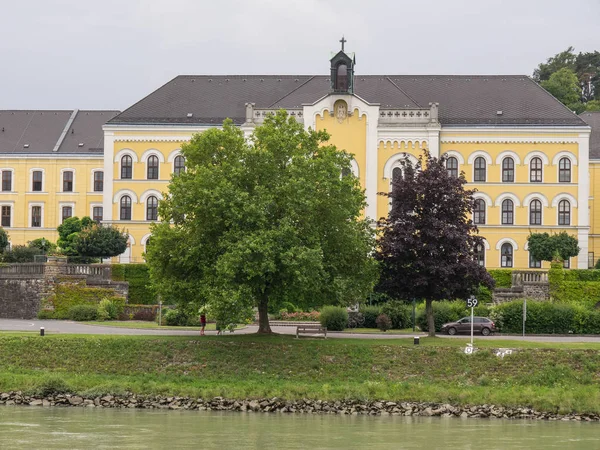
428, 246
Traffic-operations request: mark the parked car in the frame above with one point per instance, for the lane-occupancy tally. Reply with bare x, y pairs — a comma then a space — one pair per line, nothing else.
481, 325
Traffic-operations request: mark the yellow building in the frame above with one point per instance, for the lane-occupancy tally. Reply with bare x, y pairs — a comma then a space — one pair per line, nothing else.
51, 168
526, 153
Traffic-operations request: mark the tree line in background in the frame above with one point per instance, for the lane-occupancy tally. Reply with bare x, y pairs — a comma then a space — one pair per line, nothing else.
572, 78
83, 240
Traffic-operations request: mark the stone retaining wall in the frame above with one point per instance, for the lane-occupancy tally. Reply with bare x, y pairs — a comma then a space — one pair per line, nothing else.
275, 405
21, 298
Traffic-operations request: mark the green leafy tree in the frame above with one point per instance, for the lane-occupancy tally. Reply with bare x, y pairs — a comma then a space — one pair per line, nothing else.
67, 232
593, 105
3, 240
564, 85
42, 244
253, 224
428, 246
545, 247
96, 241
565, 59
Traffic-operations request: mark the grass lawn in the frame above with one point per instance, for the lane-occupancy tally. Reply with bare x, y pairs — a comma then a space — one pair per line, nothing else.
546, 376
149, 325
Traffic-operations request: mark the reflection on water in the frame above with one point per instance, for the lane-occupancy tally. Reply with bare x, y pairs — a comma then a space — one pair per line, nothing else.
79, 428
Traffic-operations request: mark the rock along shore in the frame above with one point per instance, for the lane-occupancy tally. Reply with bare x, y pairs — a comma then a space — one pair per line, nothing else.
274, 405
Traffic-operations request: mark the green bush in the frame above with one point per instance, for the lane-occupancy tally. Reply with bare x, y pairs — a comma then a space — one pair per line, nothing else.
582, 275
449, 311
110, 309
179, 318
383, 322
580, 292
289, 307
542, 317
334, 318
370, 313
400, 313
83, 313
45, 314
21, 254
502, 277
484, 295
51, 385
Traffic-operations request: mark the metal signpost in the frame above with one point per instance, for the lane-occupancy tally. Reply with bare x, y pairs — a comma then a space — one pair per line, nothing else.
471, 303
524, 315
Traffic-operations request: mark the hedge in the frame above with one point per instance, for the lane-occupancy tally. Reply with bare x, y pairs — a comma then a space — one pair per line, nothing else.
138, 277
582, 275
502, 277
546, 318
444, 312
67, 295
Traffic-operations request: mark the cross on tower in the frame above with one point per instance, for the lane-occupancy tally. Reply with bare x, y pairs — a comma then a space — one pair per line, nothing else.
343, 41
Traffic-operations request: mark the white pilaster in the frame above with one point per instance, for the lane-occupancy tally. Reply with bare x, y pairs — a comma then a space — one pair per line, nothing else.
372, 117
107, 196
583, 195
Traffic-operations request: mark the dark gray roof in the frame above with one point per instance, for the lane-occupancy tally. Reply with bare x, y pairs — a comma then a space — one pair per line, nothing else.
592, 118
463, 99
38, 132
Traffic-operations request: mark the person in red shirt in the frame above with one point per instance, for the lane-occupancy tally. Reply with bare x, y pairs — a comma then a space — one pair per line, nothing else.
202, 323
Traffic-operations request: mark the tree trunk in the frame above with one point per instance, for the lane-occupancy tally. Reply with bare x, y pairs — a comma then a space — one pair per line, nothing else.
430, 320
263, 317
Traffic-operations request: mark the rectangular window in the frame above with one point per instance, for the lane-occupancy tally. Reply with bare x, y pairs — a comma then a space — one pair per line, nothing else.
534, 264
591, 261
37, 181
67, 211
6, 216
98, 181
6, 180
36, 216
567, 263
97, 213
68, 181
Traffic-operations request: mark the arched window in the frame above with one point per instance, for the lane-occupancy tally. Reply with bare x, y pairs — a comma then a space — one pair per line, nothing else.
506, 252
479, 212
341, 82
152, 208
508, 170
480, 255
346, 172
535, 170
564, 212
179, 165
564, 170
153, 167
126, 167
535, 212
452, 167
125, 207
479, 174
508, 212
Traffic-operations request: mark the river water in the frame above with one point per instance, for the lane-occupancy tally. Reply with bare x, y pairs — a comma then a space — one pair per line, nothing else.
78, 428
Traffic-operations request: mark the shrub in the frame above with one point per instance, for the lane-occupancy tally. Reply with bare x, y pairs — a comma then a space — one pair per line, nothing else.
289, 307
179, 318
51, 385
45, 314
144, 314
67, 295
370, 313
21, 254
484, 295
110, 308
399, 313
312, 316
449, 311
82, 313
383, 322
356, 319
502, 277
334, 318
582, 275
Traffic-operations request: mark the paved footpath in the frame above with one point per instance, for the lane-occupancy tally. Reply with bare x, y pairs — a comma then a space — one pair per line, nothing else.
69, 327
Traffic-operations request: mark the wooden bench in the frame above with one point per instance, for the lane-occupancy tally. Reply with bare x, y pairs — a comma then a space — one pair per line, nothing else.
312, 330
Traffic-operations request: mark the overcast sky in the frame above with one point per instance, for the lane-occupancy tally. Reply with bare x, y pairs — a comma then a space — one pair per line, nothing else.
92, 54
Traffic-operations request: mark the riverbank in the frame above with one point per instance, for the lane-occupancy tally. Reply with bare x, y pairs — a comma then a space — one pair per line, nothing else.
304, 406
549, 379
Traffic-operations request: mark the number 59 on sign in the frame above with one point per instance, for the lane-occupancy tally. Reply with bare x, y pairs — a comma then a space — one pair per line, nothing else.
472, 302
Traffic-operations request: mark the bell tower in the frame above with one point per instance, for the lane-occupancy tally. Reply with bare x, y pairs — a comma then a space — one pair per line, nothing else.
342, 71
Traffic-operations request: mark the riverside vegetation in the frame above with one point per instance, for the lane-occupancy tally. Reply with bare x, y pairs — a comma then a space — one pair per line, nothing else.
258, 367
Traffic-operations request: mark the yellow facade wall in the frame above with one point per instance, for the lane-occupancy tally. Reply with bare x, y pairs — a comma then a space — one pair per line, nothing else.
594, 240
21, 198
